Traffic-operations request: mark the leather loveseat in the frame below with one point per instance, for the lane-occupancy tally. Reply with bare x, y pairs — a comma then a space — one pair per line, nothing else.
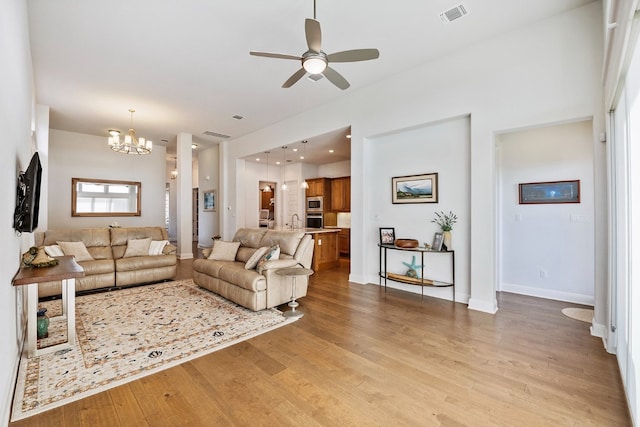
258, 287
108, 264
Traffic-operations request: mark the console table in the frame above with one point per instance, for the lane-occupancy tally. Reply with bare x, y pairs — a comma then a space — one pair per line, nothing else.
419, 281
67, 270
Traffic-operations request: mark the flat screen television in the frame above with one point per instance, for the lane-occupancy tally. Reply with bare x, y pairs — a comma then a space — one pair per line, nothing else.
25, 217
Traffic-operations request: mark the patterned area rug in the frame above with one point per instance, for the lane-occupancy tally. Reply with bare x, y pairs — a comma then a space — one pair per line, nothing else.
130, 333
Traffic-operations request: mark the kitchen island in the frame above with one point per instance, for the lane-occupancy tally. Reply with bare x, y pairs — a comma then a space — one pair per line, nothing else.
325, 248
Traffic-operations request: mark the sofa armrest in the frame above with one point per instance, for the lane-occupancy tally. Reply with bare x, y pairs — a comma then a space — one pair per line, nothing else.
169, 249
276, 264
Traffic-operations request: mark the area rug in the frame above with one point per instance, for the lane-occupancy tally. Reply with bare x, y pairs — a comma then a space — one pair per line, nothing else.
127, 334
582, 314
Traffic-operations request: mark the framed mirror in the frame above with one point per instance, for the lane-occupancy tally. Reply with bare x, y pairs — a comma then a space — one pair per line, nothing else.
101, 197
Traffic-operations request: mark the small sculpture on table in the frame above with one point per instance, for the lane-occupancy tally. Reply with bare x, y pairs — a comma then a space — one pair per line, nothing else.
413, 268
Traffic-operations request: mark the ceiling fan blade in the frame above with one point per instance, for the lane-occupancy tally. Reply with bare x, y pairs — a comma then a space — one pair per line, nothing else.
354, 55
275, 55
314, 35
336, 78
294, 78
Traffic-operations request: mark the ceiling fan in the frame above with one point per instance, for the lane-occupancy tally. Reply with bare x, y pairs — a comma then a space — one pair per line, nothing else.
315, 61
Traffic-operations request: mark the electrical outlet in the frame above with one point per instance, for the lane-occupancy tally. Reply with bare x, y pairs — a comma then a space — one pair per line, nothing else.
319, 242
543, 273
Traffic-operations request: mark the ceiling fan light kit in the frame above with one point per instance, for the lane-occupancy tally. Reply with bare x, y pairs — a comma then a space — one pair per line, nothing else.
316, 62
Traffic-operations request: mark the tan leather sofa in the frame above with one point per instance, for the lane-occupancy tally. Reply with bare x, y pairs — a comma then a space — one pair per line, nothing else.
249, 288
109, 268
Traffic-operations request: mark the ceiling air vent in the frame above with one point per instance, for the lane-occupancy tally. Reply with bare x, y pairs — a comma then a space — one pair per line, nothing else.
454, 13
215, 134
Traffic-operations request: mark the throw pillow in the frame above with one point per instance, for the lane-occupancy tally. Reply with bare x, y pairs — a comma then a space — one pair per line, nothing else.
272, 253
77, 249
224, 251
257, 255
137, 247
157, 246
53, 250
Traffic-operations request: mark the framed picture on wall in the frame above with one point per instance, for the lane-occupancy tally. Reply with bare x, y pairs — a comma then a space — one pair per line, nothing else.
387, 235
209, 201
415, 189
533, 193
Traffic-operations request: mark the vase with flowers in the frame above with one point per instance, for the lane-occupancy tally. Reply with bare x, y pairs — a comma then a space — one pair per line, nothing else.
445, 221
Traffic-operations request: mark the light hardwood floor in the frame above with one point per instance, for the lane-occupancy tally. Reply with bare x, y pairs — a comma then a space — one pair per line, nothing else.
362, 357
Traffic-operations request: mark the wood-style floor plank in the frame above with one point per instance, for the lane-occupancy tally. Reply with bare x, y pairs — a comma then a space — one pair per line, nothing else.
361, 356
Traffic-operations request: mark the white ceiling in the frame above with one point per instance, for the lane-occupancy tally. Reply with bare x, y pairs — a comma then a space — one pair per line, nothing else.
184, 66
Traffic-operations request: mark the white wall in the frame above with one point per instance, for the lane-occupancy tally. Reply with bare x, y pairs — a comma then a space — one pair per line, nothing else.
208, 177
548, 72
441, 148
76, 155
547, 250
335, 170
17, 113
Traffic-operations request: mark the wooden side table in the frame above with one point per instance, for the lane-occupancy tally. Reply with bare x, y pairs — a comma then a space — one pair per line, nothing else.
67, 270
293, 273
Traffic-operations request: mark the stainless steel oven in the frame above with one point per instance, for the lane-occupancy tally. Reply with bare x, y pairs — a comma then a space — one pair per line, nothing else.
315, 204
315, 220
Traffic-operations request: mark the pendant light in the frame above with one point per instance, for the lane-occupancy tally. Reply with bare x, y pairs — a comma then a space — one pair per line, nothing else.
304, 184
174, 172
266, 188
284, 165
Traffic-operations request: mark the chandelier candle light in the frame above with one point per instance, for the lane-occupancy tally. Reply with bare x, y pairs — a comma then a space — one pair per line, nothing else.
284, 165
266, 188
131, 144
305, 184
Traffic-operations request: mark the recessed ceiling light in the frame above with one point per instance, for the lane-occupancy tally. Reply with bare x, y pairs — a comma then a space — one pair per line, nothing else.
331, 151
349, 136
258, 159
295, 149
194, 146
301, 157
277, 163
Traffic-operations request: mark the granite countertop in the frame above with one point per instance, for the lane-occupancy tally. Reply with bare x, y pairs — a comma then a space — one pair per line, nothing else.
320, 230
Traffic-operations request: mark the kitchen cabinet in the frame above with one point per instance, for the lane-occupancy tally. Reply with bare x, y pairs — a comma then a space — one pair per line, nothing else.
319, 187
344, 241
341, 194
325, 251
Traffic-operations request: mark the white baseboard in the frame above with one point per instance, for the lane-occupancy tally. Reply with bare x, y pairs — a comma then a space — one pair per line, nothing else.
185, 256
548, 294
490, 307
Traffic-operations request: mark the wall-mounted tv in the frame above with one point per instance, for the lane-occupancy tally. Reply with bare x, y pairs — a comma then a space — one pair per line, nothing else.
25, 216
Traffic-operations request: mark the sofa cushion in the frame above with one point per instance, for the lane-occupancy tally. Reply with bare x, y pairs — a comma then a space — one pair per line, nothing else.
224, 251
257, 255
232, 272
157, 246
249, 237
271, 254
137, 247
77, 249
96, 240
120, 237
287, 240
53, 250
144, 262
99, 266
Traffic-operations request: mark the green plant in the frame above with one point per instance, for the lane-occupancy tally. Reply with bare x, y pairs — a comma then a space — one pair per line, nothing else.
445, 221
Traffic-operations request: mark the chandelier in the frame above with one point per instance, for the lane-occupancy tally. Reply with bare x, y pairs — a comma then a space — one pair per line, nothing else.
131, 144
305, 184
266, 188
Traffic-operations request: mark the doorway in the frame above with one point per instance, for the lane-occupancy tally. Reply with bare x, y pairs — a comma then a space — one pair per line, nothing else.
267, 201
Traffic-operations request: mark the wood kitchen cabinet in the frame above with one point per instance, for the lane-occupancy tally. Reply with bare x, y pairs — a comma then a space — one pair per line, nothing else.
325, 251
344, 241
319, 187
341, 194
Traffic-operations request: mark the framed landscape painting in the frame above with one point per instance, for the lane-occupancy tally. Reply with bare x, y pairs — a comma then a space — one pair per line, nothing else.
533, 193
415, 189
209, 197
